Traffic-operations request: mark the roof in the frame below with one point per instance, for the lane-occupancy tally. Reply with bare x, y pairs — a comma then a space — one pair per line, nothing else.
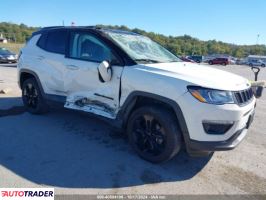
118, 31
96, 28
256, 56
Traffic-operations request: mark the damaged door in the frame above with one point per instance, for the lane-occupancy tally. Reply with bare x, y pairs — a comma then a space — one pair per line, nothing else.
83, 84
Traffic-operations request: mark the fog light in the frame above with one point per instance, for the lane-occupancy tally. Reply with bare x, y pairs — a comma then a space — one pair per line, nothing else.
217, 127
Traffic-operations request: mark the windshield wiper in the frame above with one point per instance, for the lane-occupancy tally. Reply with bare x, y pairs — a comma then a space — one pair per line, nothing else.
147, 60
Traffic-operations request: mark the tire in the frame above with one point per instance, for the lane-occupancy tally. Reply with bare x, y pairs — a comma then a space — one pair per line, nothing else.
224, 64
154, 134
250, 64
210, 63
263, 65
32, 97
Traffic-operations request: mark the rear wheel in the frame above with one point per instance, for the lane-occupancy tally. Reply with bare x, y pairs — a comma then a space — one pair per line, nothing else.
154, 134
210, 62
32, 97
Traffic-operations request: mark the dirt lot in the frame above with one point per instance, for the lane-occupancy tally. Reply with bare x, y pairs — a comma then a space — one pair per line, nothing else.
78, 154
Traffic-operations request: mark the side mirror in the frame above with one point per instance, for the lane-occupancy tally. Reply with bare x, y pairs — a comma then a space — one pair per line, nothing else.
257, 91
105, 71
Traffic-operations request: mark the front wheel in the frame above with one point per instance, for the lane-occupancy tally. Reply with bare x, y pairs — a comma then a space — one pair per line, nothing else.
154, 134
263, 65
32, 97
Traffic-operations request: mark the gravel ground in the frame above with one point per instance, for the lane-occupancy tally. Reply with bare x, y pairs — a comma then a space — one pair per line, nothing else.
78, 154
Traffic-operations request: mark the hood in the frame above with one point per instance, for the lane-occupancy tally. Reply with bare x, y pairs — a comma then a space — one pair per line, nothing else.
6, 55
200, 75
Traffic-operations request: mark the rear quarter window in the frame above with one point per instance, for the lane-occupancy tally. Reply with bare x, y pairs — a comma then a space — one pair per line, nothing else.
42, 41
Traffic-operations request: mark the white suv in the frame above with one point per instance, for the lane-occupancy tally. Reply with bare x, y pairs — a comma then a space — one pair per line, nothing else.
161, 102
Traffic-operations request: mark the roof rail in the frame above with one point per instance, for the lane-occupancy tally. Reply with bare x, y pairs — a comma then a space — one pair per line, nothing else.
96, 27
51, 27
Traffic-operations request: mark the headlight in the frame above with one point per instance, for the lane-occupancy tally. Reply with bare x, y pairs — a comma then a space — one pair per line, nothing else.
211, 96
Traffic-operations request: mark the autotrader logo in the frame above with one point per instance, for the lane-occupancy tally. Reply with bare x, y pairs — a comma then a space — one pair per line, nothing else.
26, 193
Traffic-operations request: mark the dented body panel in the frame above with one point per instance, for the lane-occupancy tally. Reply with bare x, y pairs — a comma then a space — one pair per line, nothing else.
84, 84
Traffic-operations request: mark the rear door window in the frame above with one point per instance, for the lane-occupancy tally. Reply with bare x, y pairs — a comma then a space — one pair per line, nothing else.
54, 41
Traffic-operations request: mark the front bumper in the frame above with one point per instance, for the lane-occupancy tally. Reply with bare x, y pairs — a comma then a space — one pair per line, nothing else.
5, 60
229, 144
198, 140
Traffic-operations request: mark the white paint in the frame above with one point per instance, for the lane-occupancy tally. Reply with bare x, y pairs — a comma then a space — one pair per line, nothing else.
78, 79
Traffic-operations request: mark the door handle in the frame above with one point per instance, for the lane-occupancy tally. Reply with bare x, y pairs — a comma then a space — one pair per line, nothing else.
72, 67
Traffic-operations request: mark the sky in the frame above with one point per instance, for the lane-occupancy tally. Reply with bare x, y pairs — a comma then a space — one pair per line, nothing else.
233, 21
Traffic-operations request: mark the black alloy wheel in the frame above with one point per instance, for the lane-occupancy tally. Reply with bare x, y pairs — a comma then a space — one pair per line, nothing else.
32, 97
149, 135
154, 133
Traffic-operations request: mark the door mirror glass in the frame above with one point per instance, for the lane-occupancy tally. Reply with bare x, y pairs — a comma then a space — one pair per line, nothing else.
105, 71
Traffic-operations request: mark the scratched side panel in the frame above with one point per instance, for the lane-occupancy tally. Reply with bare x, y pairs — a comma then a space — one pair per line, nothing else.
86, 92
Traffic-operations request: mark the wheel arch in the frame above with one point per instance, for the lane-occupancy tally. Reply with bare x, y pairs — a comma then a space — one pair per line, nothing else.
25, 74
139, 98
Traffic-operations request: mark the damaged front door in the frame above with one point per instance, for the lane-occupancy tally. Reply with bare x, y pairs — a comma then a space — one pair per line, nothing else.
83, 84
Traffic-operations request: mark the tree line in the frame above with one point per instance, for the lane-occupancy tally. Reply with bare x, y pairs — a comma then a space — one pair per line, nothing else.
187, 45
179, 45
16, 33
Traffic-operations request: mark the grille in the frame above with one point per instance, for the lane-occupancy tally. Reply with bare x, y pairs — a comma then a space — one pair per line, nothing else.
244, 96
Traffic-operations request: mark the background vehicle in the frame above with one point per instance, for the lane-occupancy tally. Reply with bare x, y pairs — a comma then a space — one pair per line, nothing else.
241, 61
139, 86
258, 63
219, 61
232, 61
197, 59
7, 56
186, 59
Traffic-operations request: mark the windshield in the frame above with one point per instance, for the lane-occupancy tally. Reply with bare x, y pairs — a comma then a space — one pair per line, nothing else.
142, 49
4, 51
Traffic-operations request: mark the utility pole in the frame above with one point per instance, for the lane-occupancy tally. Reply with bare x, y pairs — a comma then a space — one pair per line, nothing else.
257, 44
258, 36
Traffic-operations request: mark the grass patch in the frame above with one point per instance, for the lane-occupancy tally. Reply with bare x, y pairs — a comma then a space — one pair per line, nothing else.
14, 47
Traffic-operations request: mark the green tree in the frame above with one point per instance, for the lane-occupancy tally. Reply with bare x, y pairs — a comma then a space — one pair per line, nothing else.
181, 45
